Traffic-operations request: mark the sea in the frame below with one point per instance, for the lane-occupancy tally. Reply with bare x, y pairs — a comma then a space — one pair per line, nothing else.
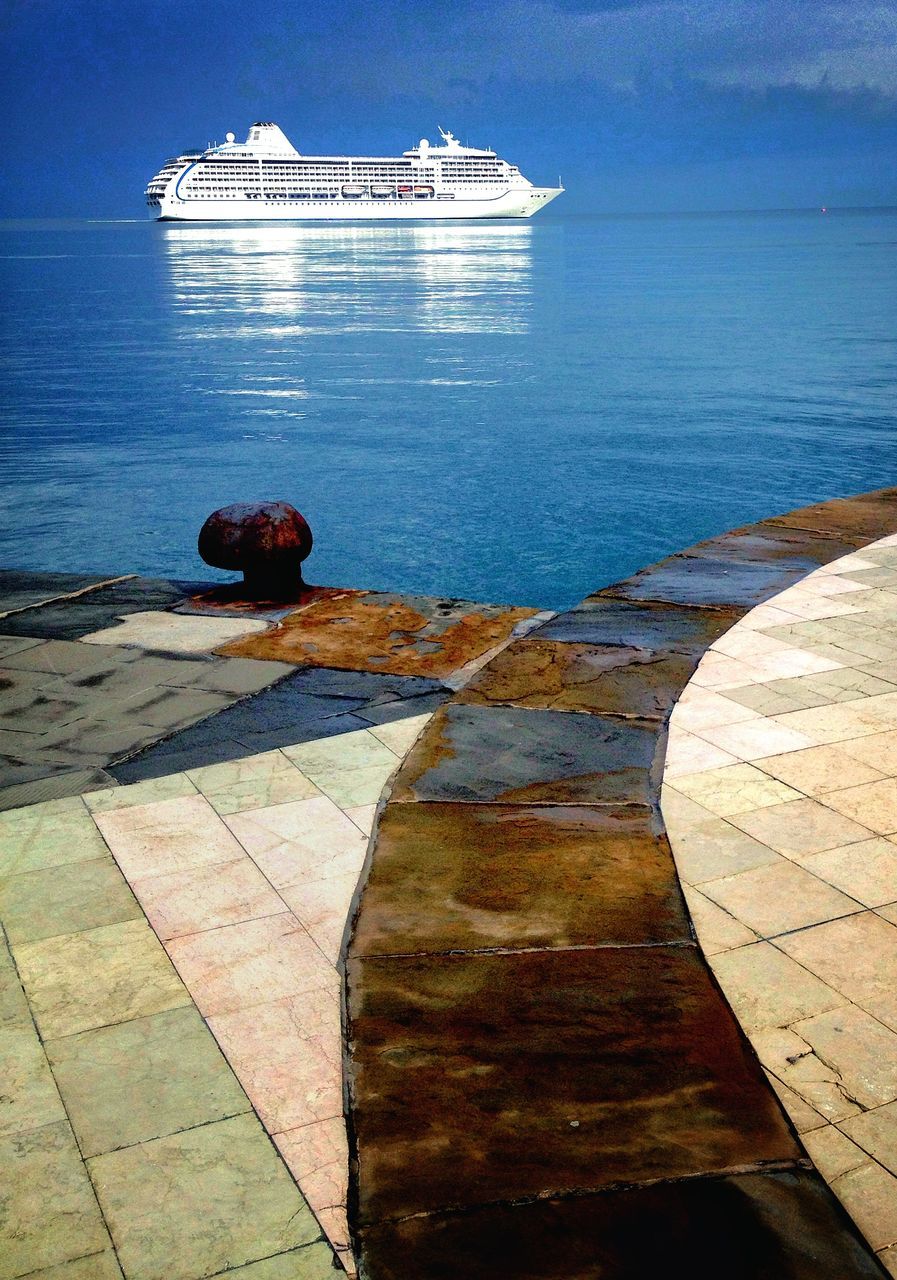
503, 411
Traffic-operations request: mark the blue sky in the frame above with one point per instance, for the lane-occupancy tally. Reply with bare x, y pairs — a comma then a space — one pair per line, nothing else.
641, 106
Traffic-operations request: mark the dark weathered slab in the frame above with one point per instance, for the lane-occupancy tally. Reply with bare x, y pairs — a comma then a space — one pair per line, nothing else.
69, 619
501, 1076
697, 579
20, 589
459, 877
602, 620
510, 754
772, 1226
577, 677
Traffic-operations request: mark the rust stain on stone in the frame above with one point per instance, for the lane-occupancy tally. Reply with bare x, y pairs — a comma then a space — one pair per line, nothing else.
397, 635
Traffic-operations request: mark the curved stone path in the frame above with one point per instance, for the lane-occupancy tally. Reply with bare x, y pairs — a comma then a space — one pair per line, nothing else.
544, 1079
781, 807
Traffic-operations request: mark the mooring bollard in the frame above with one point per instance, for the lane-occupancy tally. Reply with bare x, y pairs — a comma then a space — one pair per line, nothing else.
266, 541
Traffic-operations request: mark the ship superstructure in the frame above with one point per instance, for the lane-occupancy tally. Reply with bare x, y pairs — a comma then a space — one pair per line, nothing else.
265, 177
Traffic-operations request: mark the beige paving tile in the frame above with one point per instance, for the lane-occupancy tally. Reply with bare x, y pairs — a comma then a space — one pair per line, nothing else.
876, 1132
174, 632
859, 1049
866, 871
708, 848
97, 1266
166, 836
735, 789
166, 788
66, 899
754, 739
717, 931
869, 1194
698, 709
687, 753
768, 989
833, 1153
400, 735
322, 907
846, 684
856, 956
311, 1262
50, 1214
888, 1259
198, 898
848, 564
879, 751
769, 700
788, 664
253, 783
836, 722
317, 1155
363, 815
765, 615
307, 839
800, 828
778, 897
143, 1079
14, 1011
874, 804
804, 1117
741, 642
792, 1060
251, 963
100, 976
717, 671
817, 770
38, 837
350, 788
357, 750
199, 1202
287, 1054
28, 1098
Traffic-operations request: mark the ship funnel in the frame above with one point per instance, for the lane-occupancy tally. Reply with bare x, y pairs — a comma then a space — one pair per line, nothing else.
267, 138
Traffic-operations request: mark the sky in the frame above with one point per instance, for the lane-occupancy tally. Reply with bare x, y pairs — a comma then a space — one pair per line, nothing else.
641, 107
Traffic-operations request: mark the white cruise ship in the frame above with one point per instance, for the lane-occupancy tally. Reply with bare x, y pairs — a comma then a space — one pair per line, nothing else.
265, 177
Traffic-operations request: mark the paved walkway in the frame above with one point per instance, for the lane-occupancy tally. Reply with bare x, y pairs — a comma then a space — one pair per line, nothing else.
781, 808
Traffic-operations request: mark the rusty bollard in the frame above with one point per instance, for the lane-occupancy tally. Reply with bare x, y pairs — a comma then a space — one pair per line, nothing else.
266, 541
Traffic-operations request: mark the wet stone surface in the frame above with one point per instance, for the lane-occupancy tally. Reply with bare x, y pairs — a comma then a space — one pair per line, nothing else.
462, 877
602, 620
557, 1070
23, 590
715, 581
98, 609
506, 754
774, 1226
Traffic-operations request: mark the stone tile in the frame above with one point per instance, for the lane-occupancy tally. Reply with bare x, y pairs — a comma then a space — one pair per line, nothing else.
857, 956
804, 1117
169, 708
348, 752
800, 827
353, 787
10, 645
66, 899
888, 1259
790, 664
139, 793
717, 931
376, 714
600, 620
717, 671
47, 835
455, 877
174, 633
96, 1266
50, 1214
878, 751
859, 1049
230, 675
400, 735
843, 685
610, 679
311, 1262
695, 579
363, 815
777, 898
199, 898
64, 657
167, 836
866, 871
769, 700
51, 782
14, 1011
817, 1082
833, 723
741, 642
143, 1079
250, 963
317, 1155
818, 770
755, 739
90, 741
322, 908
687, 753
306, 840
196, 1202
832, 1153
767, 988
509, 754
708, 848
29, 1097
287, 1054
255, 782
874, 804
630, 1081
83, 980
869, 1194
735, 789
876, 1133
774, 1224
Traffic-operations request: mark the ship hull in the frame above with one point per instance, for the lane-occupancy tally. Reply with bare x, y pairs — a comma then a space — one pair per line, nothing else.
517, 203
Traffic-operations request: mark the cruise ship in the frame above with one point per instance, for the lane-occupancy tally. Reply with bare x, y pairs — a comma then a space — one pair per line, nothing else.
265, 177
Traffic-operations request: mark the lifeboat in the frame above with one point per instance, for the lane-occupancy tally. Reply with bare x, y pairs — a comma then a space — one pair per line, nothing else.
354, 191
423, 193
382, 191
406, 192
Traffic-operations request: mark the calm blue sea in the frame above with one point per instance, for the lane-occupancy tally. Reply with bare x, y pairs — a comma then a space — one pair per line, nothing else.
510, 412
